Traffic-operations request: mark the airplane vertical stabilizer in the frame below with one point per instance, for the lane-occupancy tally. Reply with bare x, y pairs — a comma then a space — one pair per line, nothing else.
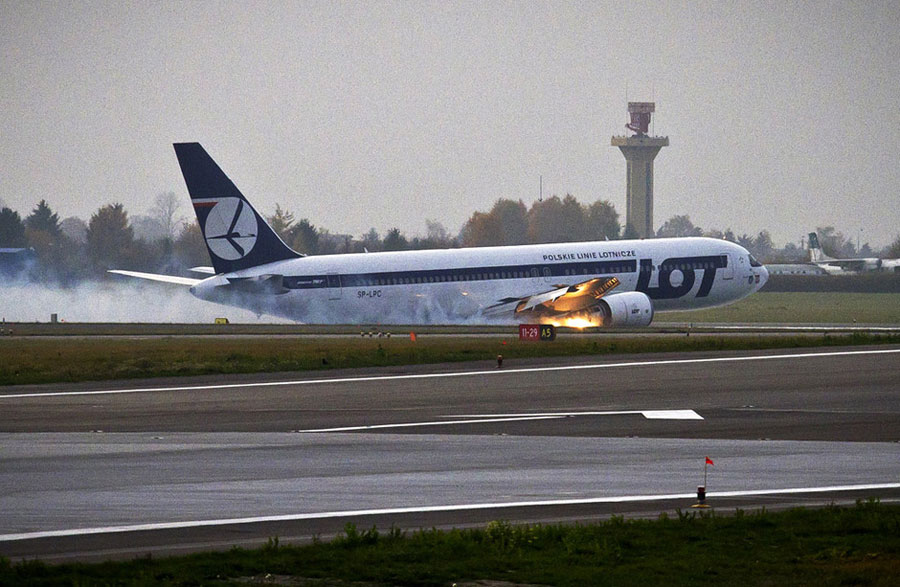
237, 237
816, 254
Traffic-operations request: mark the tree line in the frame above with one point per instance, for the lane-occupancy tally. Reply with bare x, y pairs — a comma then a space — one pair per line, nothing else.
161, 241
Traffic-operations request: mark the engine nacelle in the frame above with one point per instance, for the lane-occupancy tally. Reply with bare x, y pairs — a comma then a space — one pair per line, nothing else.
630, 309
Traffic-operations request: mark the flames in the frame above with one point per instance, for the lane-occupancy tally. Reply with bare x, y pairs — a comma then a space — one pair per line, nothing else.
575, 323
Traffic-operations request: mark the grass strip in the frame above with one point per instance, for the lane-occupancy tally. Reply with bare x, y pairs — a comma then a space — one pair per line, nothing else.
800, 308
51, 360
857, 545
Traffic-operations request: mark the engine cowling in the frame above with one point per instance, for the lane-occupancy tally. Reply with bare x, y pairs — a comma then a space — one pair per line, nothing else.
630, 309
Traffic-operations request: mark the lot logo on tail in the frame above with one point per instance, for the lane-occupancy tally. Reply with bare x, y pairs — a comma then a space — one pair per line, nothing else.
230, 229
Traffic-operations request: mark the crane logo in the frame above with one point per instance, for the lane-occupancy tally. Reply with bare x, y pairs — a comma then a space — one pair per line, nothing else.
231, 229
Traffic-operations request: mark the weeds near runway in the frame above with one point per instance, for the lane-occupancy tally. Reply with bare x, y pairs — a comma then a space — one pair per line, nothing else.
833, 546
48, 360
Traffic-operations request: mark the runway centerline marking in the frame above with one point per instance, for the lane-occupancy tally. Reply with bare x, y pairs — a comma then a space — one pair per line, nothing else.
496, 418
483, 373
430, 509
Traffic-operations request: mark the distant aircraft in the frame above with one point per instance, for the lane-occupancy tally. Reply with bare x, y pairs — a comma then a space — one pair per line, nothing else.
607, 283
838, 266
795, 269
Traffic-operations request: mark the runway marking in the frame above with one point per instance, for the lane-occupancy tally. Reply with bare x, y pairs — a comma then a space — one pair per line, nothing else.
452, 374
649, 414
429, 509
443, 423
494, 418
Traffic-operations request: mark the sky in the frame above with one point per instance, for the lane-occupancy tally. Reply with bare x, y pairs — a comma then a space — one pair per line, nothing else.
781, 115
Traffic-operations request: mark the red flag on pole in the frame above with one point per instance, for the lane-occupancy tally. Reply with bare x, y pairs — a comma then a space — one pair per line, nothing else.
709, 461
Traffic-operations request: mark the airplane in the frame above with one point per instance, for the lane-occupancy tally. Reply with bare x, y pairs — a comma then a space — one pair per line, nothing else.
841, 266
606, 283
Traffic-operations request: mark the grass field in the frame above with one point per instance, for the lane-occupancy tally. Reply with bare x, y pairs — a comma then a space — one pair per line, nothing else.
45, 360
835, 546
37, 358
801, 308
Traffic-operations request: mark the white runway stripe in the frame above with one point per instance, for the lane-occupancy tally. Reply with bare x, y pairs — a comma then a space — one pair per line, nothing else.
494, 418
439, 508
484, 373
649, 414
440, 423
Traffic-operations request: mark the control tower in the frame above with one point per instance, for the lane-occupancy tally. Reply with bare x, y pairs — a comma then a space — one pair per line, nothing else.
639, 150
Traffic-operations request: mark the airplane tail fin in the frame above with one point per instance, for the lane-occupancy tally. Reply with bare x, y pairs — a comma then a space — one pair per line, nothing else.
815, 250
236, 235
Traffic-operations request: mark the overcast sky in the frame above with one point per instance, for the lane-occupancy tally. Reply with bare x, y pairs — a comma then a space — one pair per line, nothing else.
781, 116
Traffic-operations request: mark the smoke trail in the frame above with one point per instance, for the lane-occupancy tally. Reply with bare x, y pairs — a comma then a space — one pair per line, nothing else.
123, 301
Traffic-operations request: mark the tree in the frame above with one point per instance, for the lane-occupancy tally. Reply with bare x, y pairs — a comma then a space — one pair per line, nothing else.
791, 253
148, 229
511, 218
505, 224
602, 221
44, 219
435, 231
679, 226
281, 222
394, 241
74, 228
110, 238
482, 230
893, 251
43, 234
165, 212
746, 241
436, 237
190, 247
763, 246
304, 237
371, 241
12, 229
556, 220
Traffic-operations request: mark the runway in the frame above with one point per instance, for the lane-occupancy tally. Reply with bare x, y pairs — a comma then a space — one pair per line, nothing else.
119, 470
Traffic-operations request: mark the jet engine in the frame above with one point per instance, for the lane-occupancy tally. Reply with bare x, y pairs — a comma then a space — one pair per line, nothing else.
631, 309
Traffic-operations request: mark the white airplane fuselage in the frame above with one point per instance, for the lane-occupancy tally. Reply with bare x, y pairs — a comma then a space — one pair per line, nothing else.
615, 284
467, 285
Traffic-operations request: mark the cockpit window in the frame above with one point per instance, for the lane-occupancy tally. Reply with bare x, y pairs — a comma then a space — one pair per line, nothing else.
754, 262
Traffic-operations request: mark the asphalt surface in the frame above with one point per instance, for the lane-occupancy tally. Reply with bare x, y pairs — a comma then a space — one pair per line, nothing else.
122, 469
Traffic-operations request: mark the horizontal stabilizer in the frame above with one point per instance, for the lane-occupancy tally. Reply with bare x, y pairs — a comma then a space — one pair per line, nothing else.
158, 277
204, 269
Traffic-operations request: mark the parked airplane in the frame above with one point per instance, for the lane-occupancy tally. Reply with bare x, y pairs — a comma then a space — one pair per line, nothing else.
606, 283
839, 266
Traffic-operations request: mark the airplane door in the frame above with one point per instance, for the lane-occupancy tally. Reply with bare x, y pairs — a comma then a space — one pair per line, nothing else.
728, 272
333, 282
548, 277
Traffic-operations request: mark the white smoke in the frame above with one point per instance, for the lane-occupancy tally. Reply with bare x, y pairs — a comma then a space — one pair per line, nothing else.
125, 301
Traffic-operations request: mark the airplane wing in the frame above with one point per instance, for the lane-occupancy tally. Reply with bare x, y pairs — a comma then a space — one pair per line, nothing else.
157, 277
204, 269
564, 299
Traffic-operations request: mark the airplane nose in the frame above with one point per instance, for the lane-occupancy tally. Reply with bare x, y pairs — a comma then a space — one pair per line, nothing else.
763, 276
